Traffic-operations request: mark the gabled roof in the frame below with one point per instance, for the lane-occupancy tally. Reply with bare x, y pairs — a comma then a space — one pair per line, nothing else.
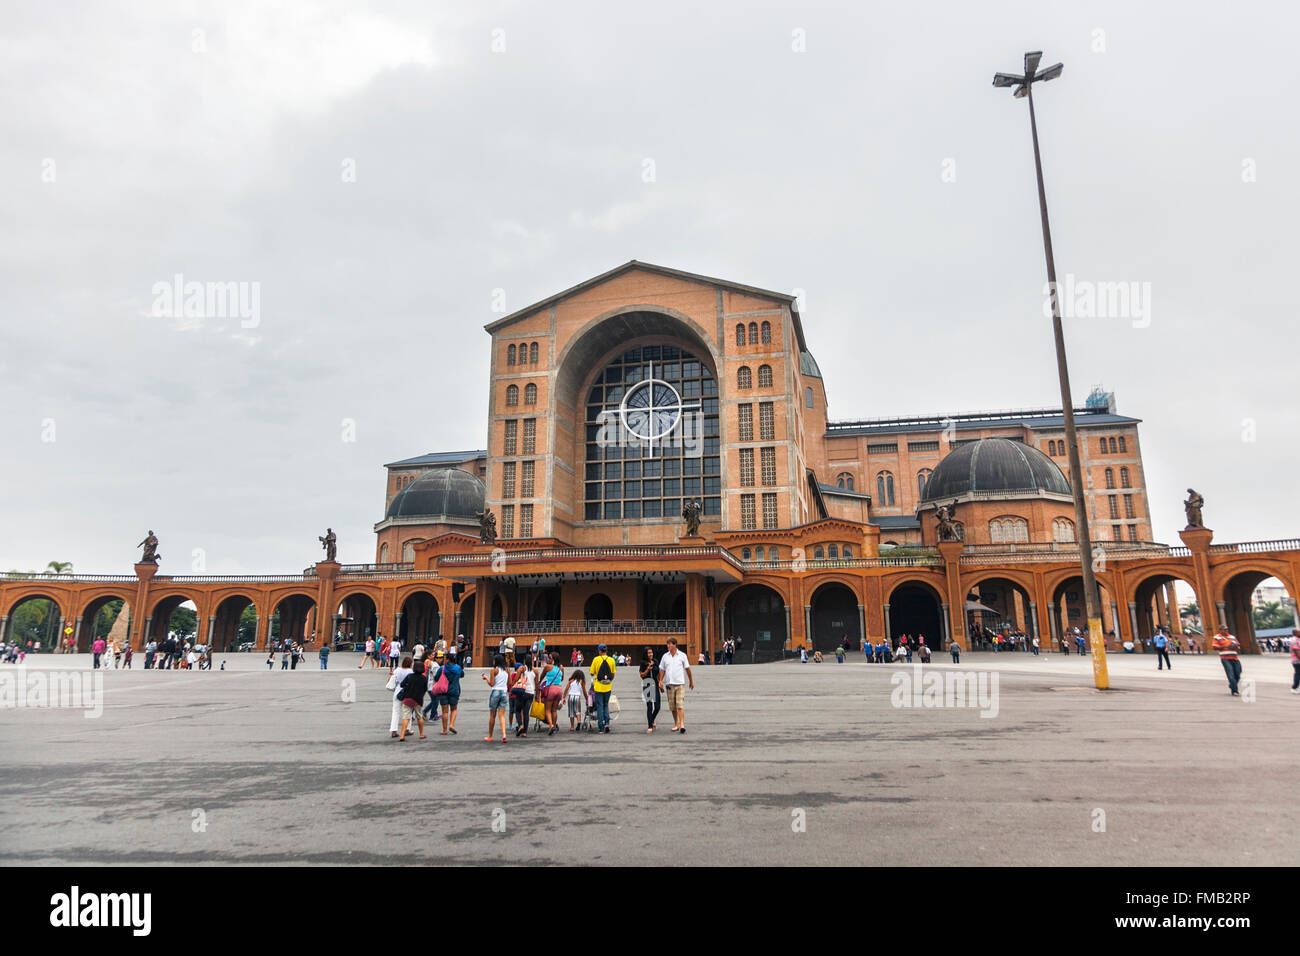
660, 270
895, 522
434, 458
842, 492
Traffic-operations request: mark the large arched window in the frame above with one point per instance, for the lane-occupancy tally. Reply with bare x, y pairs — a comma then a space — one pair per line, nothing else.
745, 377
1110, 477
833, 552
1123, 445
740, 333
510, 355
753, 333
1008, 530
765, 376
922, 479
530, 394
885, 489
408, 550
844, 480
512, 395
1112, 447
532, 353
643, 463
1063, 531
766, 333
383, 553
744, 554
1101, 443
1123, 478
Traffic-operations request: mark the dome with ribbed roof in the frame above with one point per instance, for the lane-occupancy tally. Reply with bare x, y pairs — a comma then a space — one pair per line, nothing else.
440, 492
990, 465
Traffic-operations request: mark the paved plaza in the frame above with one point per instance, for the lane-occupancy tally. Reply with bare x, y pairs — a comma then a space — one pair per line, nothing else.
782, 764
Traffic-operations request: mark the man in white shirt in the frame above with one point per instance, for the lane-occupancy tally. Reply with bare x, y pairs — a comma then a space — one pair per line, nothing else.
674, 674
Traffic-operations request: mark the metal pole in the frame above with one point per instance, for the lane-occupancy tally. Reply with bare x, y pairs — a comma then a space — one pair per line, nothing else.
1097, 643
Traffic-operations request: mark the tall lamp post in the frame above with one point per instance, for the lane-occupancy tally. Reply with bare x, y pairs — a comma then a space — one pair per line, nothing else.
1024, 89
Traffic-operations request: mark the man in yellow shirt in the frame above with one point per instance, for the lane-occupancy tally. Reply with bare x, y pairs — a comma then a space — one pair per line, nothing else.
602, 684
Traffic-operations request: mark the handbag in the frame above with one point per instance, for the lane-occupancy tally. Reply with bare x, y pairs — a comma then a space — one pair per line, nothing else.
392, 682
441, 685
538, 710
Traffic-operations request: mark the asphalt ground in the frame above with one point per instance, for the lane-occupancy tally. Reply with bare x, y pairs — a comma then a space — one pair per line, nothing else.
782, 764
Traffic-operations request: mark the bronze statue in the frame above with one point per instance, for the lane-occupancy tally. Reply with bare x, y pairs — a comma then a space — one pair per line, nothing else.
948, 529
1193, 506
691, 515
150, 545
330, 543
487, 527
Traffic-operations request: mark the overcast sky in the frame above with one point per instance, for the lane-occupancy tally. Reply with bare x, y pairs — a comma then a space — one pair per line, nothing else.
379, 170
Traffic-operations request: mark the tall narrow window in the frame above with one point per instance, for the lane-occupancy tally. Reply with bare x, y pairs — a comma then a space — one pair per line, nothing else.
1123, 478
766, 423
1063, 531
765, 376
1101, 444
526, 484
510, 355
1133, 532
532, 353
740, 334
530, 394
512, 437
922, 479
769, 510
1123, 445
1112, 446
508, 480
530, 436
507, 521
1114, 506
753, 333
747, 467
885, 489
745, 377
1110, 478
745, 423
512, 396
747, 513
808, 396
833, 552
768, 463
766, 333
525, 521
1128, 506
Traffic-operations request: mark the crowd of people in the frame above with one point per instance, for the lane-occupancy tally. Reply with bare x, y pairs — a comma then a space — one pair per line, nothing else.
530, 688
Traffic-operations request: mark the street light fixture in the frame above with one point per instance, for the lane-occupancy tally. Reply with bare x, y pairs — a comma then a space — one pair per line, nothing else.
1024, 89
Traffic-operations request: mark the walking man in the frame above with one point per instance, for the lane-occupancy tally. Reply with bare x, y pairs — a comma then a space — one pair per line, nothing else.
1228, 647
1162, 651
602, 684
674, 673
1294, 644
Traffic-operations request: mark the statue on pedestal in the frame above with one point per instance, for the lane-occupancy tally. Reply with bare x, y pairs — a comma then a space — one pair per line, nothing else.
948, 529
691, 515
150, 545
487, 527
1193, 506
330, 542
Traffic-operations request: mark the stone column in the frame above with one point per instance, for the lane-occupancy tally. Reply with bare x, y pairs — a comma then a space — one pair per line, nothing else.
1033, 622
144, 575
954, 610
862, 625
1133, 623
1119, 632
76, 634
4, 627
947, 628
1175, 617
889, 627
789, 634
397, 624
807, 624
212, 623
1223, 617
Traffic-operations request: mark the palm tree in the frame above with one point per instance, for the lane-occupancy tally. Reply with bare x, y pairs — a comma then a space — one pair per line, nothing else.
59, 567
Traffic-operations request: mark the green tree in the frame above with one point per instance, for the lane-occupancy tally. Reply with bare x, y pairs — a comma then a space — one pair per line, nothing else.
1273, 615
184, 622
248, 625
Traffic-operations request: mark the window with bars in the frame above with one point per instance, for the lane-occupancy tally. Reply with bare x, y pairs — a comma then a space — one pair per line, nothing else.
747, 467
530, 436
745, 377
1123, 478
510, 355
768, 466
747, 513
740, 334
1128, 506
1110, 478
766, 422
526, 484
512, 396
1112, 447
883, 448
885, 489
1101, 445
746, 423
753, 333
922, 446
507, 521
1132, 532
765, 376
766, 333
512, 437
769, 509
1114, 506
1123, 445
530, 394
532, 354
508, 480
525, 521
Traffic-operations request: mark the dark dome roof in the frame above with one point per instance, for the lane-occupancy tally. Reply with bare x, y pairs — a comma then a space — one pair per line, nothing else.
440, 491
994, 464
808, 365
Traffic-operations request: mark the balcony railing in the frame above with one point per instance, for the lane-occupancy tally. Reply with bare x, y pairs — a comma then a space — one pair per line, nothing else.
367, 568
593, 627
1255, 547
640, 551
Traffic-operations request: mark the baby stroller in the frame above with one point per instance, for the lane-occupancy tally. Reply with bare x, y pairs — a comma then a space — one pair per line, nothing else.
589, 717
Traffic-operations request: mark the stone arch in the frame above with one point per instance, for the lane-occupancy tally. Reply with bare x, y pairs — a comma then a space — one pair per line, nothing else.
915, 608
227, 618
835, 611
292, 616
756, 615
1233, 587
93, 608
163, 604
421, 620
357, 614
1009, 593
1148, 590
46, 631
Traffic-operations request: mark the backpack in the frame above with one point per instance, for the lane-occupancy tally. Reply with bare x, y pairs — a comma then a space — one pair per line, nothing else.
604, 673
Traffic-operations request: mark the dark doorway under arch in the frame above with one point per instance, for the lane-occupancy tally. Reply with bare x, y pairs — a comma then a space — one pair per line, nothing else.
834, 617
915, 609
756, 615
